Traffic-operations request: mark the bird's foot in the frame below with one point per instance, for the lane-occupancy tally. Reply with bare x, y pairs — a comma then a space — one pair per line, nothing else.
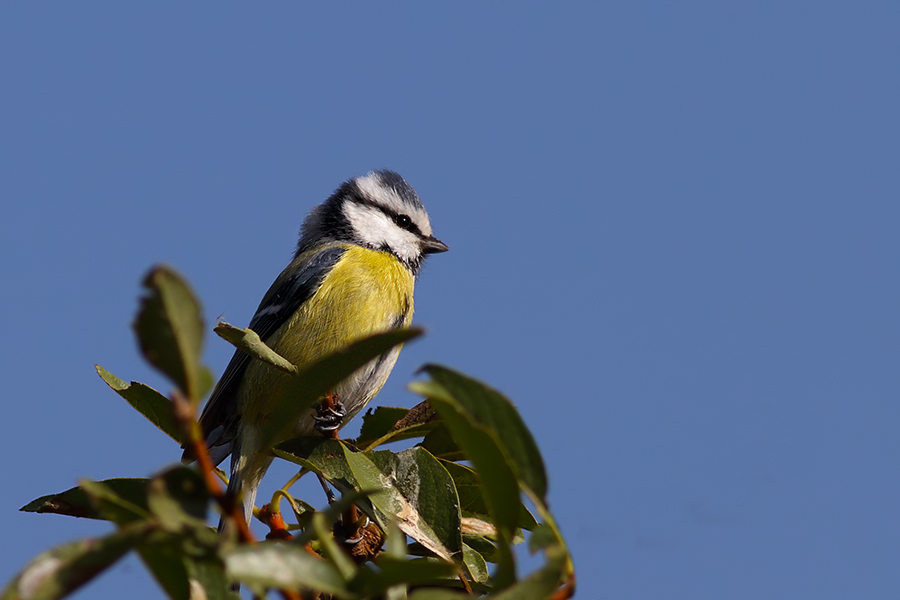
330, 414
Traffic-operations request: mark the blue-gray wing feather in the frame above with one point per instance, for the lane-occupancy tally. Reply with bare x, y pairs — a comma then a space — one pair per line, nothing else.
287, 294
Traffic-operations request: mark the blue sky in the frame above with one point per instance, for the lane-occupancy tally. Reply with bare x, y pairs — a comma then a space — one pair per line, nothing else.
674, 244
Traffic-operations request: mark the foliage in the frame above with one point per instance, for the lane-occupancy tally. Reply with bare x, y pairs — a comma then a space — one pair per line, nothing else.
421, 523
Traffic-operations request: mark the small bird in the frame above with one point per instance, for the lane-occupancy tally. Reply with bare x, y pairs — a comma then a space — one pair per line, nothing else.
352, 276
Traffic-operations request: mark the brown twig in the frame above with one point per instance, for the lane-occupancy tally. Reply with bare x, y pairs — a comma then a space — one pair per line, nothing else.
566, 591
271, 516
192, 434
465, 582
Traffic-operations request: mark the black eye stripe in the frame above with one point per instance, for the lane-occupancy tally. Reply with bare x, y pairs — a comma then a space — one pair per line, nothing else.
401, 220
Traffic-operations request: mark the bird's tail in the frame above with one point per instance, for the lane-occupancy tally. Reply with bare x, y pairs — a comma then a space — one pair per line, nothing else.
246, 473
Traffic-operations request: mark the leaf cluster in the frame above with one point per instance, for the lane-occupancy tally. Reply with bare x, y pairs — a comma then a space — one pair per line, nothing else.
437, 520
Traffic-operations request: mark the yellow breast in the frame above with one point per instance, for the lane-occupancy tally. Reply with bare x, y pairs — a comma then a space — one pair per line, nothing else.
366, 292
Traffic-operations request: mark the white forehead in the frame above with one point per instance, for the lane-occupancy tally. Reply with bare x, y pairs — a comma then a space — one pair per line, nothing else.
374, 189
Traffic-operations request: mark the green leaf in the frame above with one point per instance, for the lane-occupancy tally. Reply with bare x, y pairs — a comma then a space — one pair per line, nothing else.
250, 343
320, 455
169, 328
475, 564
498, 479
58, 572
441, 444
543, 582
417, 492
471, 500
490, 410
74, 502
209, 573
111, 506
330, 548
395, 571
309, 385
182, 561
169, 570
147, 401
285, 566
542, 537
438, 594
483, 545
178, 498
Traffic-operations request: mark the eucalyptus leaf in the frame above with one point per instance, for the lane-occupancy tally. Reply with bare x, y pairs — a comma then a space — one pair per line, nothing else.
492, 411
476, 565
249, 342
438, 594
147, 401
60, 571
178, 498
394, 571
483, 448
111, 506
74, 502
441, 444
321, 455
471, 500
286, 566
417, 492
544, 582
169, 570
169, 327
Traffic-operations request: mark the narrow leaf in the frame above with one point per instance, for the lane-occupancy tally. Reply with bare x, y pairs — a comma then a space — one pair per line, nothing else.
169, 570
178, 498
249, 341
323, 456
441, 444
74, 502
283, 566
416, 571
111, 506
147, 401
498, 480
418, 493
169, 328
475, 564
543, 582
492, 411
58, 572
471, 500
438, 594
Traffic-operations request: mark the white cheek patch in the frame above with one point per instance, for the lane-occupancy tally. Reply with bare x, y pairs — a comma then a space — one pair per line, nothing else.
376, 230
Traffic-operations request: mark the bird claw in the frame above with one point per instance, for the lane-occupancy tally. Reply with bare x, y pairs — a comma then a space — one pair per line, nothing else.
362, 533
329, 418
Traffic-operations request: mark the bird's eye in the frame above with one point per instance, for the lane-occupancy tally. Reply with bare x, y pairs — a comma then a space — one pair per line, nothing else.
404, 221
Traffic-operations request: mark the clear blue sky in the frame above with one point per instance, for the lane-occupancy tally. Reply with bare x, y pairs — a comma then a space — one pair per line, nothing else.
674, 232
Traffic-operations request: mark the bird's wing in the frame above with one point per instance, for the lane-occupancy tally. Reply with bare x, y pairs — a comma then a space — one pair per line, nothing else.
295, 285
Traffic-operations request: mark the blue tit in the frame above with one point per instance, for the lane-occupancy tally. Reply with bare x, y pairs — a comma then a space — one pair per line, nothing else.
352, 275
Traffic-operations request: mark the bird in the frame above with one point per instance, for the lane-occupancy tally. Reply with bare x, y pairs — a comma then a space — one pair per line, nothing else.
353, 275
